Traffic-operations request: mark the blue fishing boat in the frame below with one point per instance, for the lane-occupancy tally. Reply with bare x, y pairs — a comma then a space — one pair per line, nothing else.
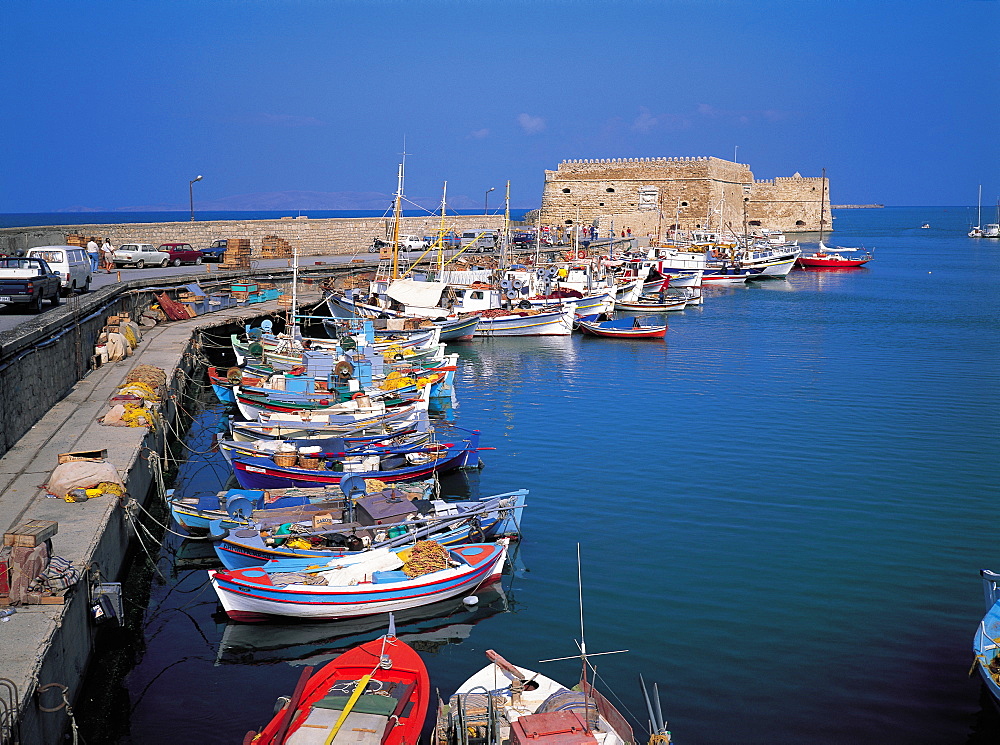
986, 644
377, 581
266, 473
448, 523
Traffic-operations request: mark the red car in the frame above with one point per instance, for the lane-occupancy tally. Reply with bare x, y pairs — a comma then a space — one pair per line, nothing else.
181, 253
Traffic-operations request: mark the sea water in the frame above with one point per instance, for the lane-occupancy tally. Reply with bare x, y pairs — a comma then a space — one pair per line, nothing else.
781, 511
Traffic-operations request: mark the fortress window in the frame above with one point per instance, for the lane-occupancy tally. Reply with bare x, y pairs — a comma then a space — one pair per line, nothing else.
754, 223
565, 191
609, 190
569, 222
800, 222
684, 204
600, 204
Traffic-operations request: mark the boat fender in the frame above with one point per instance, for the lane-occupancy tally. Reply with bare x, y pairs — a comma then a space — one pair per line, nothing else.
524, 304
353, 543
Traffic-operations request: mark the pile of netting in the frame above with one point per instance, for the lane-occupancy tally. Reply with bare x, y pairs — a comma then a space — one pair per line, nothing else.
426, 557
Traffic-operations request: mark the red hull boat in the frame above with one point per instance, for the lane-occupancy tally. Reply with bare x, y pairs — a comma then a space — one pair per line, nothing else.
832, 258
380, 689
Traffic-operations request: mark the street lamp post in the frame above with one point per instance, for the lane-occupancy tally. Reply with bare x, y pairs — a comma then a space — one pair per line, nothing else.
191, 194
486, 203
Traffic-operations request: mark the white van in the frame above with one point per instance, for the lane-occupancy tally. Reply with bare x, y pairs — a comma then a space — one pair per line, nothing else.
481, 241
70, 262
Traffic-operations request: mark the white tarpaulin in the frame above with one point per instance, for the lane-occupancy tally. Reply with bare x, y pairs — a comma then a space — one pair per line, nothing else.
411, 292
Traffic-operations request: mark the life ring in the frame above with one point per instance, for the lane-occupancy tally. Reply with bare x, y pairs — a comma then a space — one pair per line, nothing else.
357, 395
581, 255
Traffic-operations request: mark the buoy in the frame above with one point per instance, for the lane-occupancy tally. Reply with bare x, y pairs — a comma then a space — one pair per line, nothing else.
471, 600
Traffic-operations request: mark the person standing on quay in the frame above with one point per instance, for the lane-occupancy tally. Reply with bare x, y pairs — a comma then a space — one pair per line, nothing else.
94, 252
107, 251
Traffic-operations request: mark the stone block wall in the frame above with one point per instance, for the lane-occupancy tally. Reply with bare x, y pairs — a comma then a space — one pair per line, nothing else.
312, 237
649, 195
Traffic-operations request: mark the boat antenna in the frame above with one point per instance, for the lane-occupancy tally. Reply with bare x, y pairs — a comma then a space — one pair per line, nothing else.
295, 293
659, 734
582, 645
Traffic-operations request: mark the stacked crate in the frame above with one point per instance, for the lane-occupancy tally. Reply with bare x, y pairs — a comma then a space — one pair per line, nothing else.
274, 247
237, 254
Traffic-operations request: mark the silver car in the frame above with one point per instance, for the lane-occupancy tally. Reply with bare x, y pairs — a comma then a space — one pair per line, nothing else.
139, 255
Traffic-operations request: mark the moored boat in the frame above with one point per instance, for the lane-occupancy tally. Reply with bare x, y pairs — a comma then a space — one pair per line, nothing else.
833, 258
376, 581
624, 328
986, 643
375, 694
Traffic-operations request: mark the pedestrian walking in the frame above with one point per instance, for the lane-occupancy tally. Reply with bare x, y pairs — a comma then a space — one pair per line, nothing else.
94, 252
629, 231
107, 251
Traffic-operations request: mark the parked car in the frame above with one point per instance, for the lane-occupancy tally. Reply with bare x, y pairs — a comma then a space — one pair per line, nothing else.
29, 281
407, 243
139, 255
181, 253
216, 251
70, 262
481, 241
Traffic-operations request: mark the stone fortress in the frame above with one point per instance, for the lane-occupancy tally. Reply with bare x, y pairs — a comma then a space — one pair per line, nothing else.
652, 195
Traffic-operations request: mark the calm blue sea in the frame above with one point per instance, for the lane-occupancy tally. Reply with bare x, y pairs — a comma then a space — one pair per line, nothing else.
28, 219
782, 512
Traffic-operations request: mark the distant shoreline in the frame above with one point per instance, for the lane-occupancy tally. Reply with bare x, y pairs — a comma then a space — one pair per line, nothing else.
857, 206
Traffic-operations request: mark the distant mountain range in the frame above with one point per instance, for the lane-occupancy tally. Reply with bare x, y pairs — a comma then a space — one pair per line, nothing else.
300, 200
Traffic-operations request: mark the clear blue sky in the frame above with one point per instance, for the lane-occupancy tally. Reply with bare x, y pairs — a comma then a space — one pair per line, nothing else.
115, 104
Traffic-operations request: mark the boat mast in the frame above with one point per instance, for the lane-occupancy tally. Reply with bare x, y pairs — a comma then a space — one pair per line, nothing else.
396, 215
505, 246
295, 293
822, 208
444, 199
979, 218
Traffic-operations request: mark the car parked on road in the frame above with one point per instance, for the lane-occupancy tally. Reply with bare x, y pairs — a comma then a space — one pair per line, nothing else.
139, 255
181, 253
216, 251
480, 241
29, 281
70, 262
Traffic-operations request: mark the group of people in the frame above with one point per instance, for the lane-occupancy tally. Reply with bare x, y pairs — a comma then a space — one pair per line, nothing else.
101, 256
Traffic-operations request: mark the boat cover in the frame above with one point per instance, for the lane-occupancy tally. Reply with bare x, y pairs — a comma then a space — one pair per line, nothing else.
412, 292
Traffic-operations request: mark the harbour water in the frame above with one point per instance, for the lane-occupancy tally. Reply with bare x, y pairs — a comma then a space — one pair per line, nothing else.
781, 511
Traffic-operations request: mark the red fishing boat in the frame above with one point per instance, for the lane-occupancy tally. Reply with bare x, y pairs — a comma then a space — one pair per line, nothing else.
827, 258
624, 328
374, 694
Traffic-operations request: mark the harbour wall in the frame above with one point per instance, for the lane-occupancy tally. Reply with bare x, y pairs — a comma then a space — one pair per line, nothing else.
311, 237
51, 401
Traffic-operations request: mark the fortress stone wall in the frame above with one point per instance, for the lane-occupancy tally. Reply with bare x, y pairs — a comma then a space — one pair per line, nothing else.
650, 195
312, 237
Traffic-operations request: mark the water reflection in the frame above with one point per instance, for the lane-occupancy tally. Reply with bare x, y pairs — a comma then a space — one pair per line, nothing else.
426, 629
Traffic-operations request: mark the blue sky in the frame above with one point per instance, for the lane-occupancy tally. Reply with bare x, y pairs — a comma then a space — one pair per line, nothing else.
116, 104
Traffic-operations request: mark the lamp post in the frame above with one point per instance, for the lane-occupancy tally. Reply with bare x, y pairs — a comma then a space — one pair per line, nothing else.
191, 194
486, 203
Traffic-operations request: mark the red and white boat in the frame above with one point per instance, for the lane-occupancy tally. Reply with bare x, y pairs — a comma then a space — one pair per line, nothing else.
833, 258
375, 693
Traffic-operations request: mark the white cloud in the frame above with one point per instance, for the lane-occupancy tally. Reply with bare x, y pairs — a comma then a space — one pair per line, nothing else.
645, 121
479, 134
531, 124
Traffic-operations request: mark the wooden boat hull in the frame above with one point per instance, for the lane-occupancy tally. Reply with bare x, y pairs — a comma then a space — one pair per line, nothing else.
264, 473
822, 262
548, 323
242, 551
401, 719
984, 646
601, 328
249, 595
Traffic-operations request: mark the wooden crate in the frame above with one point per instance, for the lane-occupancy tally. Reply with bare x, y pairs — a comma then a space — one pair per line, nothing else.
31, 533
88, 455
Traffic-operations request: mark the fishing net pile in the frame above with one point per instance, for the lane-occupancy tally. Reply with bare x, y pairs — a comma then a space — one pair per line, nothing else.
132, 406
426, 557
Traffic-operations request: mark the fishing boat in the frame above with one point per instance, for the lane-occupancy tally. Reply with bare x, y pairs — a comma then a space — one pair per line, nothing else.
377, 523
377, 581
976, 231
831, 257
267, 473
507, 705
375, 694
330, 447
834, 258
624, 328
303, 424
986, 643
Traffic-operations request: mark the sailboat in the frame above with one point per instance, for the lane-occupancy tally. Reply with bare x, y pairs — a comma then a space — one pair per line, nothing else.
977, 229
993, 229
830, 257
504, 704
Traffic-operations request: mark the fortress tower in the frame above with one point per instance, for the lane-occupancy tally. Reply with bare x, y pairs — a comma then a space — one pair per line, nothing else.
647, 194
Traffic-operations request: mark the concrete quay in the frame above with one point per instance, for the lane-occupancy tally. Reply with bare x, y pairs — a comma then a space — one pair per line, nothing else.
52, 644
